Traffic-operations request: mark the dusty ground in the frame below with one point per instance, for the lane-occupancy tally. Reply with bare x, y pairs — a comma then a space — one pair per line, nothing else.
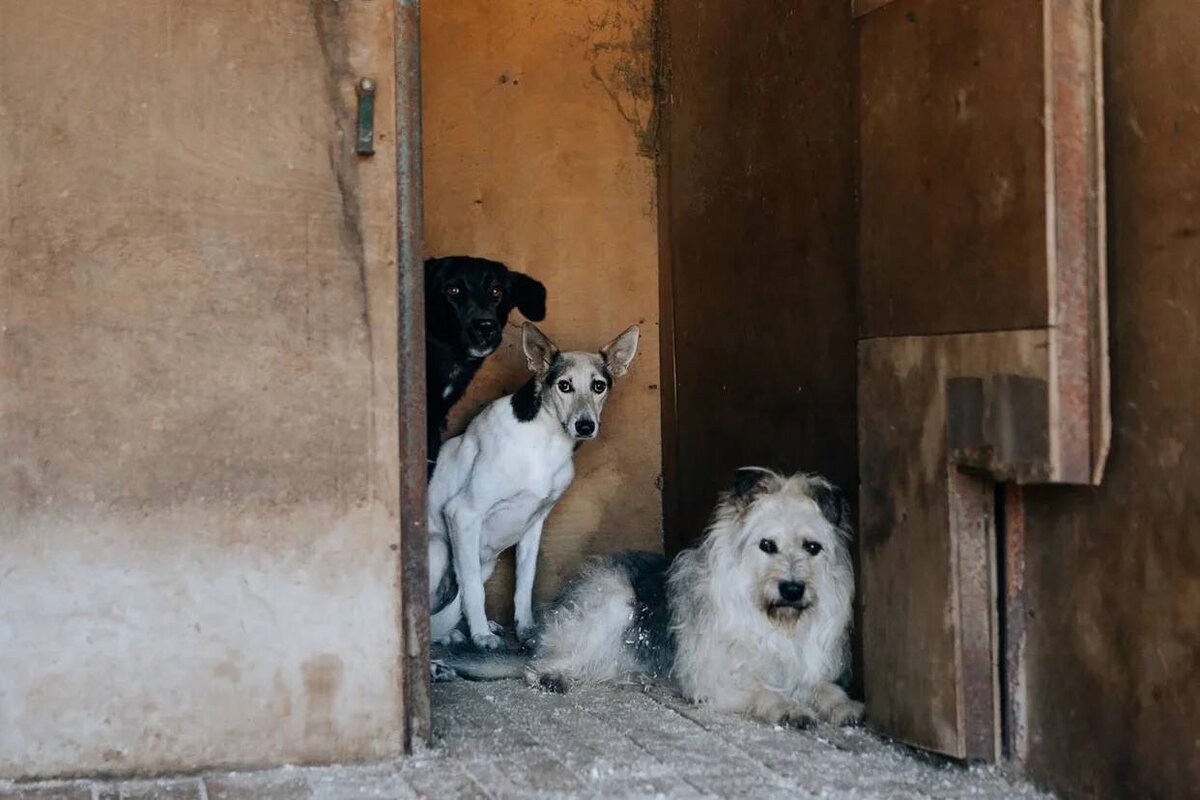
502, 740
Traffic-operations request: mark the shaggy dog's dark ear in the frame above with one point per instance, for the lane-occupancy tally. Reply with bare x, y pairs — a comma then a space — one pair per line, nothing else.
527, 295
833, 505
750, 483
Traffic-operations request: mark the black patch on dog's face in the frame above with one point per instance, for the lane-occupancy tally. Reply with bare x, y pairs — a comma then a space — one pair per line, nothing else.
468, 300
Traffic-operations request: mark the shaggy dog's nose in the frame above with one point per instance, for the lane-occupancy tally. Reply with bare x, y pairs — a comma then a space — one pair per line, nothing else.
791, 591
585, 427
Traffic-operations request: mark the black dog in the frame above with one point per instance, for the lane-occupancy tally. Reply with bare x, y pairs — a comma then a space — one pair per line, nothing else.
467, 302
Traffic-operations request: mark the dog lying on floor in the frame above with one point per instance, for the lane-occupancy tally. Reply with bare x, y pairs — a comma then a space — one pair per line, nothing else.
755, 619
494, 486
467, 303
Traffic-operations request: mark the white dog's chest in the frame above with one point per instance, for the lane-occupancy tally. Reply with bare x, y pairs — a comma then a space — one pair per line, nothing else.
507, 520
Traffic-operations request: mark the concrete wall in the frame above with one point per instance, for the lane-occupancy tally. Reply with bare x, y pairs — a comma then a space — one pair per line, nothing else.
197, 372
539, 131
1114, 572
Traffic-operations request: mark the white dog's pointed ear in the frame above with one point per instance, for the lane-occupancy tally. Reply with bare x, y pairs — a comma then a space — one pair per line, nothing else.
750, 483
540, 352
619, 353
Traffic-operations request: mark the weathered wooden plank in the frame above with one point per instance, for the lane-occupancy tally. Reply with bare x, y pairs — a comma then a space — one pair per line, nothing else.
925, 551
758, 169
953, 176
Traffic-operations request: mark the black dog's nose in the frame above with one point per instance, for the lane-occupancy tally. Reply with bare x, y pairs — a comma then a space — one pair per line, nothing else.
791, 591
585, 427
484, 326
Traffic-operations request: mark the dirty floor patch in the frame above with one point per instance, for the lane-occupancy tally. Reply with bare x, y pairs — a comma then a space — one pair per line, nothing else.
502, 740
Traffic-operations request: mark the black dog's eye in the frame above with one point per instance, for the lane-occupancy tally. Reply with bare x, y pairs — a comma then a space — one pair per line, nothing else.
453, 291
496, 293
599, 387
812, 548
565, 387
768, 546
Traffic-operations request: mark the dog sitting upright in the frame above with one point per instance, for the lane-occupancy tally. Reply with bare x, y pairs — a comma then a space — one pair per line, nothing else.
467, 303
494, 486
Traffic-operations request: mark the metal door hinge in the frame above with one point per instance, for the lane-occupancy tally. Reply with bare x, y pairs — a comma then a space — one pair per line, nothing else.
364, 143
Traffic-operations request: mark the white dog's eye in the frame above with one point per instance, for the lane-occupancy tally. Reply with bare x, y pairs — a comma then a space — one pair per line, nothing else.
599, 386
768, 546
812, 548
565, 387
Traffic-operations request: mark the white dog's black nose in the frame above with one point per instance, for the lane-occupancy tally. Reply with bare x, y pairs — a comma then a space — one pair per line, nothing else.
791, 591
585, 427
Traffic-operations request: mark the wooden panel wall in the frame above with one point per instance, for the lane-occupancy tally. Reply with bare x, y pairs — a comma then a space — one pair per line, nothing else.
951, 119
1113, 582
758, 216
539, 131
198, 489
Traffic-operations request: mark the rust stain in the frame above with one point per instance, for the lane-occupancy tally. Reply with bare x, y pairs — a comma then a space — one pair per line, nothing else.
323, 676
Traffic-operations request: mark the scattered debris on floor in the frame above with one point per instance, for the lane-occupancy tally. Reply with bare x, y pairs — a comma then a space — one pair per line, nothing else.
503, 740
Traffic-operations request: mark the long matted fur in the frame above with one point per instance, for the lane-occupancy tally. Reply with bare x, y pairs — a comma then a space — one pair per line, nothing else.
755, 619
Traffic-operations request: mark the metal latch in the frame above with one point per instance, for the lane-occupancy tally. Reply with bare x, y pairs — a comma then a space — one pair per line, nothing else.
364, 143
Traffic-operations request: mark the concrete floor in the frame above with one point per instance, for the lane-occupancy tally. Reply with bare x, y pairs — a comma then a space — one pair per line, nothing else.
502, 740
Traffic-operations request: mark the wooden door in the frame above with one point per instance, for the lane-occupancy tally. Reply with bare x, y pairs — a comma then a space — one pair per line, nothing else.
982, 330
199, 503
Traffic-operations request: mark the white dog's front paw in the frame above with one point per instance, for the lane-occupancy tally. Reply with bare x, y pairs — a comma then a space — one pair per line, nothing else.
526, 633
487, 641
847, 712
453, 637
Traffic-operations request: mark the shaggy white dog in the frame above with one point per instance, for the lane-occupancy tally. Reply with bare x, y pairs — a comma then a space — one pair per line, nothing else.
755, 619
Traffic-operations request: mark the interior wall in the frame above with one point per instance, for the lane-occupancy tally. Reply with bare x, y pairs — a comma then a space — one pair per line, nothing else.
1114, 572
539, 136
759, 247
198, 492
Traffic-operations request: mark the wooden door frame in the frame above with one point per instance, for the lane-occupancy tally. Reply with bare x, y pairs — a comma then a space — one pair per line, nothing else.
413, 538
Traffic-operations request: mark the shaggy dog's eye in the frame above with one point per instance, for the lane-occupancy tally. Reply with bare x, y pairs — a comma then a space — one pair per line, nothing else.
812, 548
565, 387
496, 293
453, 291
768, 546
599, 386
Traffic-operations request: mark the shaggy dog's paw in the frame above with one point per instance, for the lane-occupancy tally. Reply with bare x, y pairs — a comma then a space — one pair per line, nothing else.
496, 628
440, 672
799, 718
847, 712
526, 634
487, 641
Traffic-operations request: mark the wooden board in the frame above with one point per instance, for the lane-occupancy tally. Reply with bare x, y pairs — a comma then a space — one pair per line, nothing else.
927, 588
539, 130
198, 498
953, 168
758, 207
1113, 573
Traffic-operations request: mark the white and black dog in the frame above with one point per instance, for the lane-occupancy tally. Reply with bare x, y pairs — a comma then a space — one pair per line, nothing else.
755, 619
494, 485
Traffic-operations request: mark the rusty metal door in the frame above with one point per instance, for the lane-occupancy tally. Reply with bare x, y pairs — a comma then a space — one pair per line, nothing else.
982, 331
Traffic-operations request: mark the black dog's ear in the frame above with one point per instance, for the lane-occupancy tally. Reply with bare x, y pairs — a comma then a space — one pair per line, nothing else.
528, 295
833, 504
749, 483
